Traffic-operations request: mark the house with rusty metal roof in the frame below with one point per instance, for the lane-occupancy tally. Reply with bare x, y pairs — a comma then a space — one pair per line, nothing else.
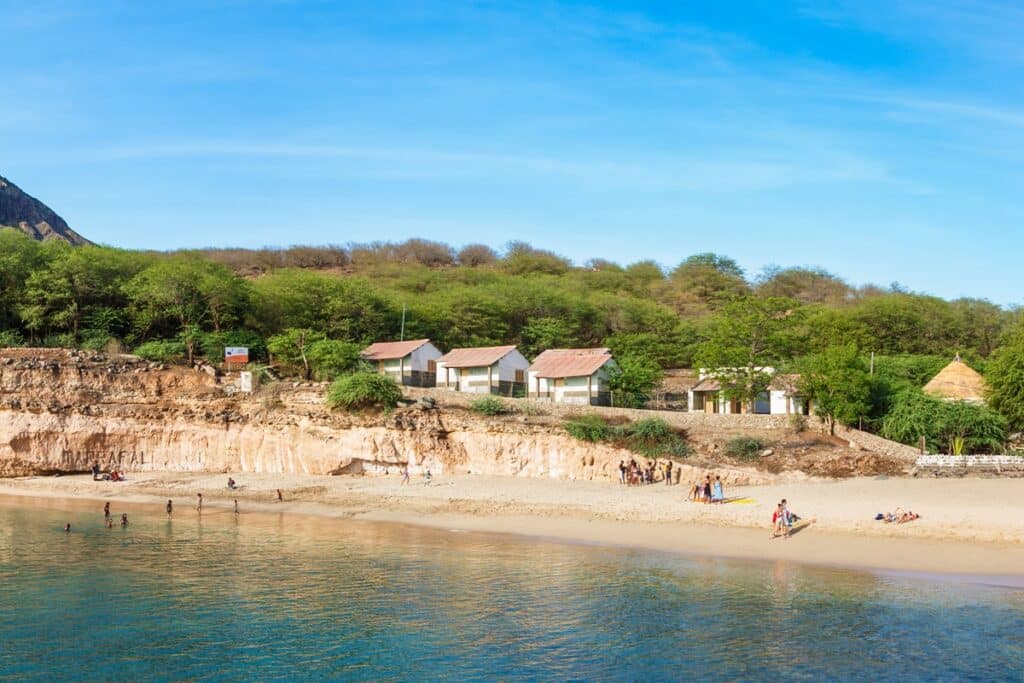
411, 363
781, 396
497, 370
576, 376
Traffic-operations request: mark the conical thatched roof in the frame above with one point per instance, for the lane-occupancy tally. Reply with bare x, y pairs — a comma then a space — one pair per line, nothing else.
957, 382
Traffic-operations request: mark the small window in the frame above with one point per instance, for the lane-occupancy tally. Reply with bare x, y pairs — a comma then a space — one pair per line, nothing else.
520, 376
432, 366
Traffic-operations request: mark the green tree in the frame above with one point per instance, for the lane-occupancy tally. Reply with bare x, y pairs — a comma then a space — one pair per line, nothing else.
185, 294
1005, 379
20, 257
341, 308
633, 379
330, 358
837, 380
707, 281
291, 348
542, 334
745, 341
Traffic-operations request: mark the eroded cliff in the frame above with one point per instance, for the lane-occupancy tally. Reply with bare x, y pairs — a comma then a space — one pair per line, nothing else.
62, 411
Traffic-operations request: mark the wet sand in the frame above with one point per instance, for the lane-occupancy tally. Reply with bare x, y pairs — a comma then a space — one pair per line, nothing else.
968, 527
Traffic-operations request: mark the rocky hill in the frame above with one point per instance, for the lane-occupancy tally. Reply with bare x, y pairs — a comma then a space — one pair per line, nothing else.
26, 213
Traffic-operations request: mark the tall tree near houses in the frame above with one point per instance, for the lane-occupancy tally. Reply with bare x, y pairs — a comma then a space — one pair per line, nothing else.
744, 339
837, 380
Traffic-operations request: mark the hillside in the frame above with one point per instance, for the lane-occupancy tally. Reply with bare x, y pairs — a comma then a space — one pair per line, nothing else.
28, 214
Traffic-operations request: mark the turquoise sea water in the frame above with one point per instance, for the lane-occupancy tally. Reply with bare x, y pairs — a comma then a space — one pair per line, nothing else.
268, 597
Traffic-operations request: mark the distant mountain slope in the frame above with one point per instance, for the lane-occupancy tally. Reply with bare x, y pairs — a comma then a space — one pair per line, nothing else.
31, 216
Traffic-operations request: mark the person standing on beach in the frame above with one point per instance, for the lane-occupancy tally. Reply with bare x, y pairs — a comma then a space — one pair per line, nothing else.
199, 504
280, 498
170, 508
668, 473
717, 494
106, 510
405, 474
236, 506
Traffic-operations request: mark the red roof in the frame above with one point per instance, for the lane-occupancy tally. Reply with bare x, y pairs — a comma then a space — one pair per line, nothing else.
558, 363
475, 358
392, 350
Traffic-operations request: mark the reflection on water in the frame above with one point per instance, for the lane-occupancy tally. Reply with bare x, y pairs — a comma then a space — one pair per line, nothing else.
290, 598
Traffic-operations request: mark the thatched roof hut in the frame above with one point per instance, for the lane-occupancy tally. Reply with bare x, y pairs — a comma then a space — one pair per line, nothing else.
957, 382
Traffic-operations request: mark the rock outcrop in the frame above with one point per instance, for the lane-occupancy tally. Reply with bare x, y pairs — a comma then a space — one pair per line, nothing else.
28, 214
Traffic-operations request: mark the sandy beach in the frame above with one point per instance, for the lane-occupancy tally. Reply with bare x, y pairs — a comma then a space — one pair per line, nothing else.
967, 526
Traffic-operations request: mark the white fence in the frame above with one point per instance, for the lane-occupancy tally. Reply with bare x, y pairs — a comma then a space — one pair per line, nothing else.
970, 461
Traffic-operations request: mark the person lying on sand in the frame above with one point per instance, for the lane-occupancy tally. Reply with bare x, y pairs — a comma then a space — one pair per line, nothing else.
900, 517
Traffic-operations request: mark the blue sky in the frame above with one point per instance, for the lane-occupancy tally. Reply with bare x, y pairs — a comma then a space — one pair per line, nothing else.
883, 141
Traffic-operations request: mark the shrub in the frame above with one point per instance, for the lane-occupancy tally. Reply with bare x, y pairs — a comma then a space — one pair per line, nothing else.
364, 390
655, 438
678, 449
797, 422
651, 428
592, 428
744, 447
490, 406
532, 408
11, 338
161, 350
94, 339
915, 414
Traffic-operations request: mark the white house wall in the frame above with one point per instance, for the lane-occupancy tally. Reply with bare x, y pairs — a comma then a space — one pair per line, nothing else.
419, 359
779, 402
508, 364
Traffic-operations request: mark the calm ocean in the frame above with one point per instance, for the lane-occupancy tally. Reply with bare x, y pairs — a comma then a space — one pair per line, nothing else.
265, 597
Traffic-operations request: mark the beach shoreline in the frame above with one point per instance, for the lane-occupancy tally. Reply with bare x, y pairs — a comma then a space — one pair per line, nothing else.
976, 530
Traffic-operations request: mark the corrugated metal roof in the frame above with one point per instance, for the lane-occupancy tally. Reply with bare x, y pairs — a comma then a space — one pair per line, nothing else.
558, 363
476, 357
392, 350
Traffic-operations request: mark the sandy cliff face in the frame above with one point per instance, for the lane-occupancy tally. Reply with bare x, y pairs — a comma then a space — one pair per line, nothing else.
61, 411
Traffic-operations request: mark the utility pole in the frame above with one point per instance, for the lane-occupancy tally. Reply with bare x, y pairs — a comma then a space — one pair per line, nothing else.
402, 336
872, 371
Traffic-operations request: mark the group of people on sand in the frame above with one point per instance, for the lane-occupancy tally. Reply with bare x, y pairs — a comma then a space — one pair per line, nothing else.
633, 474
708, 491
783, 520
113, 475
